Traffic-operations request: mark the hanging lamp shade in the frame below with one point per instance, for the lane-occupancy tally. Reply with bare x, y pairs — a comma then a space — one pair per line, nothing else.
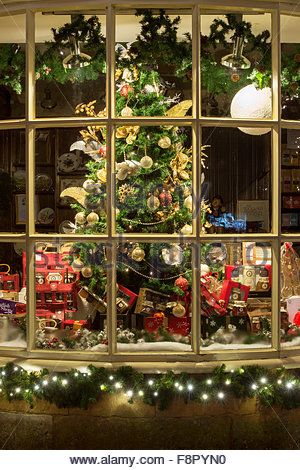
76, 59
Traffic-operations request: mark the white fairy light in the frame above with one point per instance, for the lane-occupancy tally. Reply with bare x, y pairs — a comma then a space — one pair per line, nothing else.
16, 368
204, 396
155, 394
190, 387
64, 382
180, 388
254, 387
221, 395
76, 374
18, 390
150, 382
279, 382
289, 385
111, 377
3, 372
176, 384
227, 382
209, 381
263, 380
36, 387
118, 385
129, 393
54, 378
45, 383
232, 371
141, 393
11, 394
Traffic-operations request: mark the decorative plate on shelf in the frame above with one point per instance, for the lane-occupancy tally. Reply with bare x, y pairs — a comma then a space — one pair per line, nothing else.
19, 178
68, 162
43, 182
46, 216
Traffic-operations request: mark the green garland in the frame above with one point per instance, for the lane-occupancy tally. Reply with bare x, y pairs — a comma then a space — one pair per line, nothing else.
75, 388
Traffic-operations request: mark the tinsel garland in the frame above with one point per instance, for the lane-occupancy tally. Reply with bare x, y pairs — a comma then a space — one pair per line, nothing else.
75, 388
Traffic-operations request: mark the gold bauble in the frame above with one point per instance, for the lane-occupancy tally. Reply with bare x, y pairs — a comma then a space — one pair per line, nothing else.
138, 254
153, 203
178, 310
101, 175
92, 218
126, 112
80, 218
164, 142
146, 162
187, 229
188, 203
87, 271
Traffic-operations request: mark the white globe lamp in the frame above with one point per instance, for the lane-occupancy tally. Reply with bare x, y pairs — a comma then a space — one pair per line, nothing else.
252, 103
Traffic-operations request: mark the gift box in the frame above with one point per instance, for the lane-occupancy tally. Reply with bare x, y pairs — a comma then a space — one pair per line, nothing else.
73, 324
210, 303
152, 324
179, 326
258, 278
125, 299
150, 301
238, 309
233, 291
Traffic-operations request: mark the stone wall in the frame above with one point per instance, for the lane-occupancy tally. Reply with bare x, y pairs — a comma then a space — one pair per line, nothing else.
115, 424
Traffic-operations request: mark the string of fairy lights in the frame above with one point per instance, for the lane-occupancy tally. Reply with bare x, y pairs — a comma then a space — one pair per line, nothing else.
77, 388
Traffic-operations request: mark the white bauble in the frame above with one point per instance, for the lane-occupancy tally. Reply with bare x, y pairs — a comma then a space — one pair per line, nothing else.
77, 265
173, 255
89, 186
80, 218
252, 103
204, 269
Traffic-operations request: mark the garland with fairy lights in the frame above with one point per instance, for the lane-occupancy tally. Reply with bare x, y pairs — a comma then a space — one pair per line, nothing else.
76, 388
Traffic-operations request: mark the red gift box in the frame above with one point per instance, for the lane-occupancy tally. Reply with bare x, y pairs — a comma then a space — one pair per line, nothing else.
262, 280
210, 303
152, 324
179, 326
233, 291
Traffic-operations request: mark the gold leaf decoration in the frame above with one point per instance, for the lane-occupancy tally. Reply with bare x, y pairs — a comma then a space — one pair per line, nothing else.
75, 192
180, 109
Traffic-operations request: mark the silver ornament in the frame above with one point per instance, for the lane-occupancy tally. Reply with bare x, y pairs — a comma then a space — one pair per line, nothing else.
173, 255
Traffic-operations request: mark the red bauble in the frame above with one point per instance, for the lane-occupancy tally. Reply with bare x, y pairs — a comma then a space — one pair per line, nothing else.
182, 283
165, 198
125, 89
102, 151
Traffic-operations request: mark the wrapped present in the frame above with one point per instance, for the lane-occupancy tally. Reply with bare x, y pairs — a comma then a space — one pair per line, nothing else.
125, 299
93, 299
293, 306
258, 278
179, 326
152, 324
150, 301
256, 317
238, 309
74, 324
210, 303
233, 291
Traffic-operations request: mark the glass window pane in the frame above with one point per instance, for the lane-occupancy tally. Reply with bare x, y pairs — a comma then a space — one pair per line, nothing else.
12, 296
154, 297
290, 180
235, 54
12, 181
290, 79
71, 296
236, 294
12, 68
70, 180
153, 179
70, 63
290, 294
236, 180
153, 63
